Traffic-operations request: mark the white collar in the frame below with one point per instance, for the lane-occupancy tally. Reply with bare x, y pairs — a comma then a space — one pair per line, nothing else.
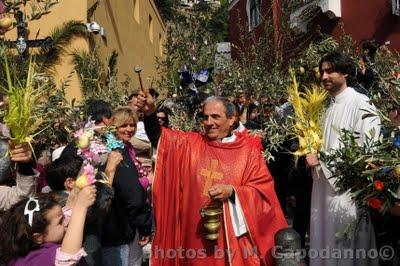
343, 95
231, 138
240, 128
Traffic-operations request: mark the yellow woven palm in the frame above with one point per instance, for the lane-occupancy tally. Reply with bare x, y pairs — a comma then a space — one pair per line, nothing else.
308, 106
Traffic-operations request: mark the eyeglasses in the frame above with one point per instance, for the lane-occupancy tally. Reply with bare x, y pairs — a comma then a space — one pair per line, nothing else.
161, 117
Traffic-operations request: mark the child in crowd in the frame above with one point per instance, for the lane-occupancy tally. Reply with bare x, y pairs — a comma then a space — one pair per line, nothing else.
61, 177
33, 231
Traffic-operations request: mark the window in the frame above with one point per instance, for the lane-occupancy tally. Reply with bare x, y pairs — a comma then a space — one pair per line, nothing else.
136, 14
150, 28
396, 7
253, 13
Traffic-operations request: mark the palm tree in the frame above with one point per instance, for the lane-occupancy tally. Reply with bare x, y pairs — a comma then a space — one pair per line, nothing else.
61, 36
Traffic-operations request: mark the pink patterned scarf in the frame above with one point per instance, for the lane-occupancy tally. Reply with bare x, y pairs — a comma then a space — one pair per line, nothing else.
144, 181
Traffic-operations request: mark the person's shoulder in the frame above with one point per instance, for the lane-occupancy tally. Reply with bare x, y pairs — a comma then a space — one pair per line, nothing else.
181, 135
249, 141
360, 99
70, 150
45, 255
57, 153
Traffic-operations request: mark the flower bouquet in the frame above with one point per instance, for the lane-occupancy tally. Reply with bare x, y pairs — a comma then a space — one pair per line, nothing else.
92, 148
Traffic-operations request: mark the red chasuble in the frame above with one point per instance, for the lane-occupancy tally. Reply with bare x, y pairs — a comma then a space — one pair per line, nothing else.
254, 139
187, 166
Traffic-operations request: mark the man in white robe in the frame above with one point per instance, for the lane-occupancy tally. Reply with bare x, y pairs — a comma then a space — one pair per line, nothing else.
331, 210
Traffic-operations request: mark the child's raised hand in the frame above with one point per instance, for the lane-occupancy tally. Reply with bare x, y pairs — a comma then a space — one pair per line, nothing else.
86, 197
72, 241
114, 158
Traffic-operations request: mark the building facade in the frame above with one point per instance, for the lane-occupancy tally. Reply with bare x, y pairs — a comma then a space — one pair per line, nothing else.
190, 3
136, 31
133, 28
245, 16
378, 19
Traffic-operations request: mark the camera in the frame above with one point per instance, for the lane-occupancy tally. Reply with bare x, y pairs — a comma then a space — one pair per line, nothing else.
95, 28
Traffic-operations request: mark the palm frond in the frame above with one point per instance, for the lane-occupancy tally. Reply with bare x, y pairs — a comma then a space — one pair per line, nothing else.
111, 66
22, 117
308, 107
92, 9
89, 69
294, 96
62, 36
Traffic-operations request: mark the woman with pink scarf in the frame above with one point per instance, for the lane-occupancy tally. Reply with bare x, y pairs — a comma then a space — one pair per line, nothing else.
129, 217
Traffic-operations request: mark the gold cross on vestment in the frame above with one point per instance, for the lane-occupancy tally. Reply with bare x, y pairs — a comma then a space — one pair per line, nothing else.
210, 174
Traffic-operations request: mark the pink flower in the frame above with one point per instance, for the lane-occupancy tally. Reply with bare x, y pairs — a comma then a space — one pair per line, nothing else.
96, 159
90, 173
88, 155
78, 133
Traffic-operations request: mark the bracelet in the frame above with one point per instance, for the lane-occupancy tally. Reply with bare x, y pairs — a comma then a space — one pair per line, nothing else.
105, 180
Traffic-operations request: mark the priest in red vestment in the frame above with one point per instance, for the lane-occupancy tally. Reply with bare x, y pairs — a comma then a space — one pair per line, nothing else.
195, 170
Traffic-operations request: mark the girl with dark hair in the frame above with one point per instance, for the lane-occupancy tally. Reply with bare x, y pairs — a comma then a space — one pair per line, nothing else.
33, 232
61, 176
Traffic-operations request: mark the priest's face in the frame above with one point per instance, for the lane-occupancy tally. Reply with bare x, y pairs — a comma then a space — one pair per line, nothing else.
333, 81
216, 123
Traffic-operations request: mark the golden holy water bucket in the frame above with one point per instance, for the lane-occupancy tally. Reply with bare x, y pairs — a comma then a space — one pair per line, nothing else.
211, 216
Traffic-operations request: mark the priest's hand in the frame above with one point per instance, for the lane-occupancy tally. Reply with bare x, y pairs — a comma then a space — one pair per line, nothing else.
220, 192
312, 160
145, 103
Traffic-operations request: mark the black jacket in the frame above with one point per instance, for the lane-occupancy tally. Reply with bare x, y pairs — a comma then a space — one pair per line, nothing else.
129, 209
153, 129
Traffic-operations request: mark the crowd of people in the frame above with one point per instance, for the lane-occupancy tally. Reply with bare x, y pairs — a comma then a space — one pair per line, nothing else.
150, 191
